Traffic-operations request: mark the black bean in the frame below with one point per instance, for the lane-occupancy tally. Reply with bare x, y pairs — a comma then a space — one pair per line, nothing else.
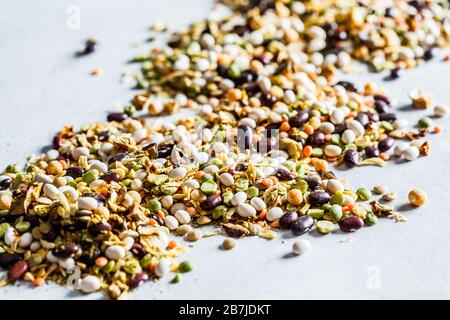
137, 280
381, 106
252, 88
339, 128
372, 152
5, 183
317, 139
302, 225
268, 100
385, 144
241, 30
287, 219
117, 157
222, 71
211, 202
104, 135
351, 223
395, 73
428, 54
284, 174
381, 97
388, 117
32, 219
89, 46
373, 117
57, 142
244, 137
272, 130
74, 172
65, 250
52, 234
111, 176
299, 119
164, 150
117, 116
312, 181
351, 158
100, 227
89, 255
241, 167
9, 259
244, 78
348, 86
362, 118
264, 59
318, 198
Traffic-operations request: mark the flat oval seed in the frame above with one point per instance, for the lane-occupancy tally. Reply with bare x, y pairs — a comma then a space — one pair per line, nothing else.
226, 179
334, 185
17, 270
351, 223
332, 150
238, 198
171, 222
411, 153
178, 173
324, 226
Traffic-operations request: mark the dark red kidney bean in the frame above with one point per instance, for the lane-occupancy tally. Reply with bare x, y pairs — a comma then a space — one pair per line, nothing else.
244, 137
302, 225
117, 116
287, 219
164, 150
211, 202
5, 183
372, 152
351, 158
351, 223
74, 172
317, 139
65, 250
388, 117
318, 198
299, 119
137, 280
385, 144
18, 270
111, 176
9, 259
117, 157
284, 174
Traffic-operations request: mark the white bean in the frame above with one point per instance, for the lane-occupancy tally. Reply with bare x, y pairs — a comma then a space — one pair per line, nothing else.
80, 151
178, 173
25, 240
246, 210
90, 284
10, 235
226, 179
163, 267
171, 222
115, 252
332, 150
183, 216
337, 116
274, 214
301, 246
441, 110
410, 154
348, 136
356, 127
238, 198
258, 203
334, 185
87, 203
167, 202
51, 191
400, 147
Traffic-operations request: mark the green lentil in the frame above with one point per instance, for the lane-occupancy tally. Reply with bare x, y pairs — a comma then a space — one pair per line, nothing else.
3, 228
252, 192
208, 187
425, 123
176, 278
337, 198
154, 205
371, 219
336, 212
22, 226
90, 176
316, 213
242, 184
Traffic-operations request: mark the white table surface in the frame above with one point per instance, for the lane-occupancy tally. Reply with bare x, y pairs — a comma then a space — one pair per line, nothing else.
43, 87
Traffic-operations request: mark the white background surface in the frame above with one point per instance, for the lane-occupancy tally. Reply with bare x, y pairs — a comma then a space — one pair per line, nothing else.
43, 87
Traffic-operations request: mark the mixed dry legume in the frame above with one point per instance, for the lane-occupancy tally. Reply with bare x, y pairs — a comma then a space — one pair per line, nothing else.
269, 118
